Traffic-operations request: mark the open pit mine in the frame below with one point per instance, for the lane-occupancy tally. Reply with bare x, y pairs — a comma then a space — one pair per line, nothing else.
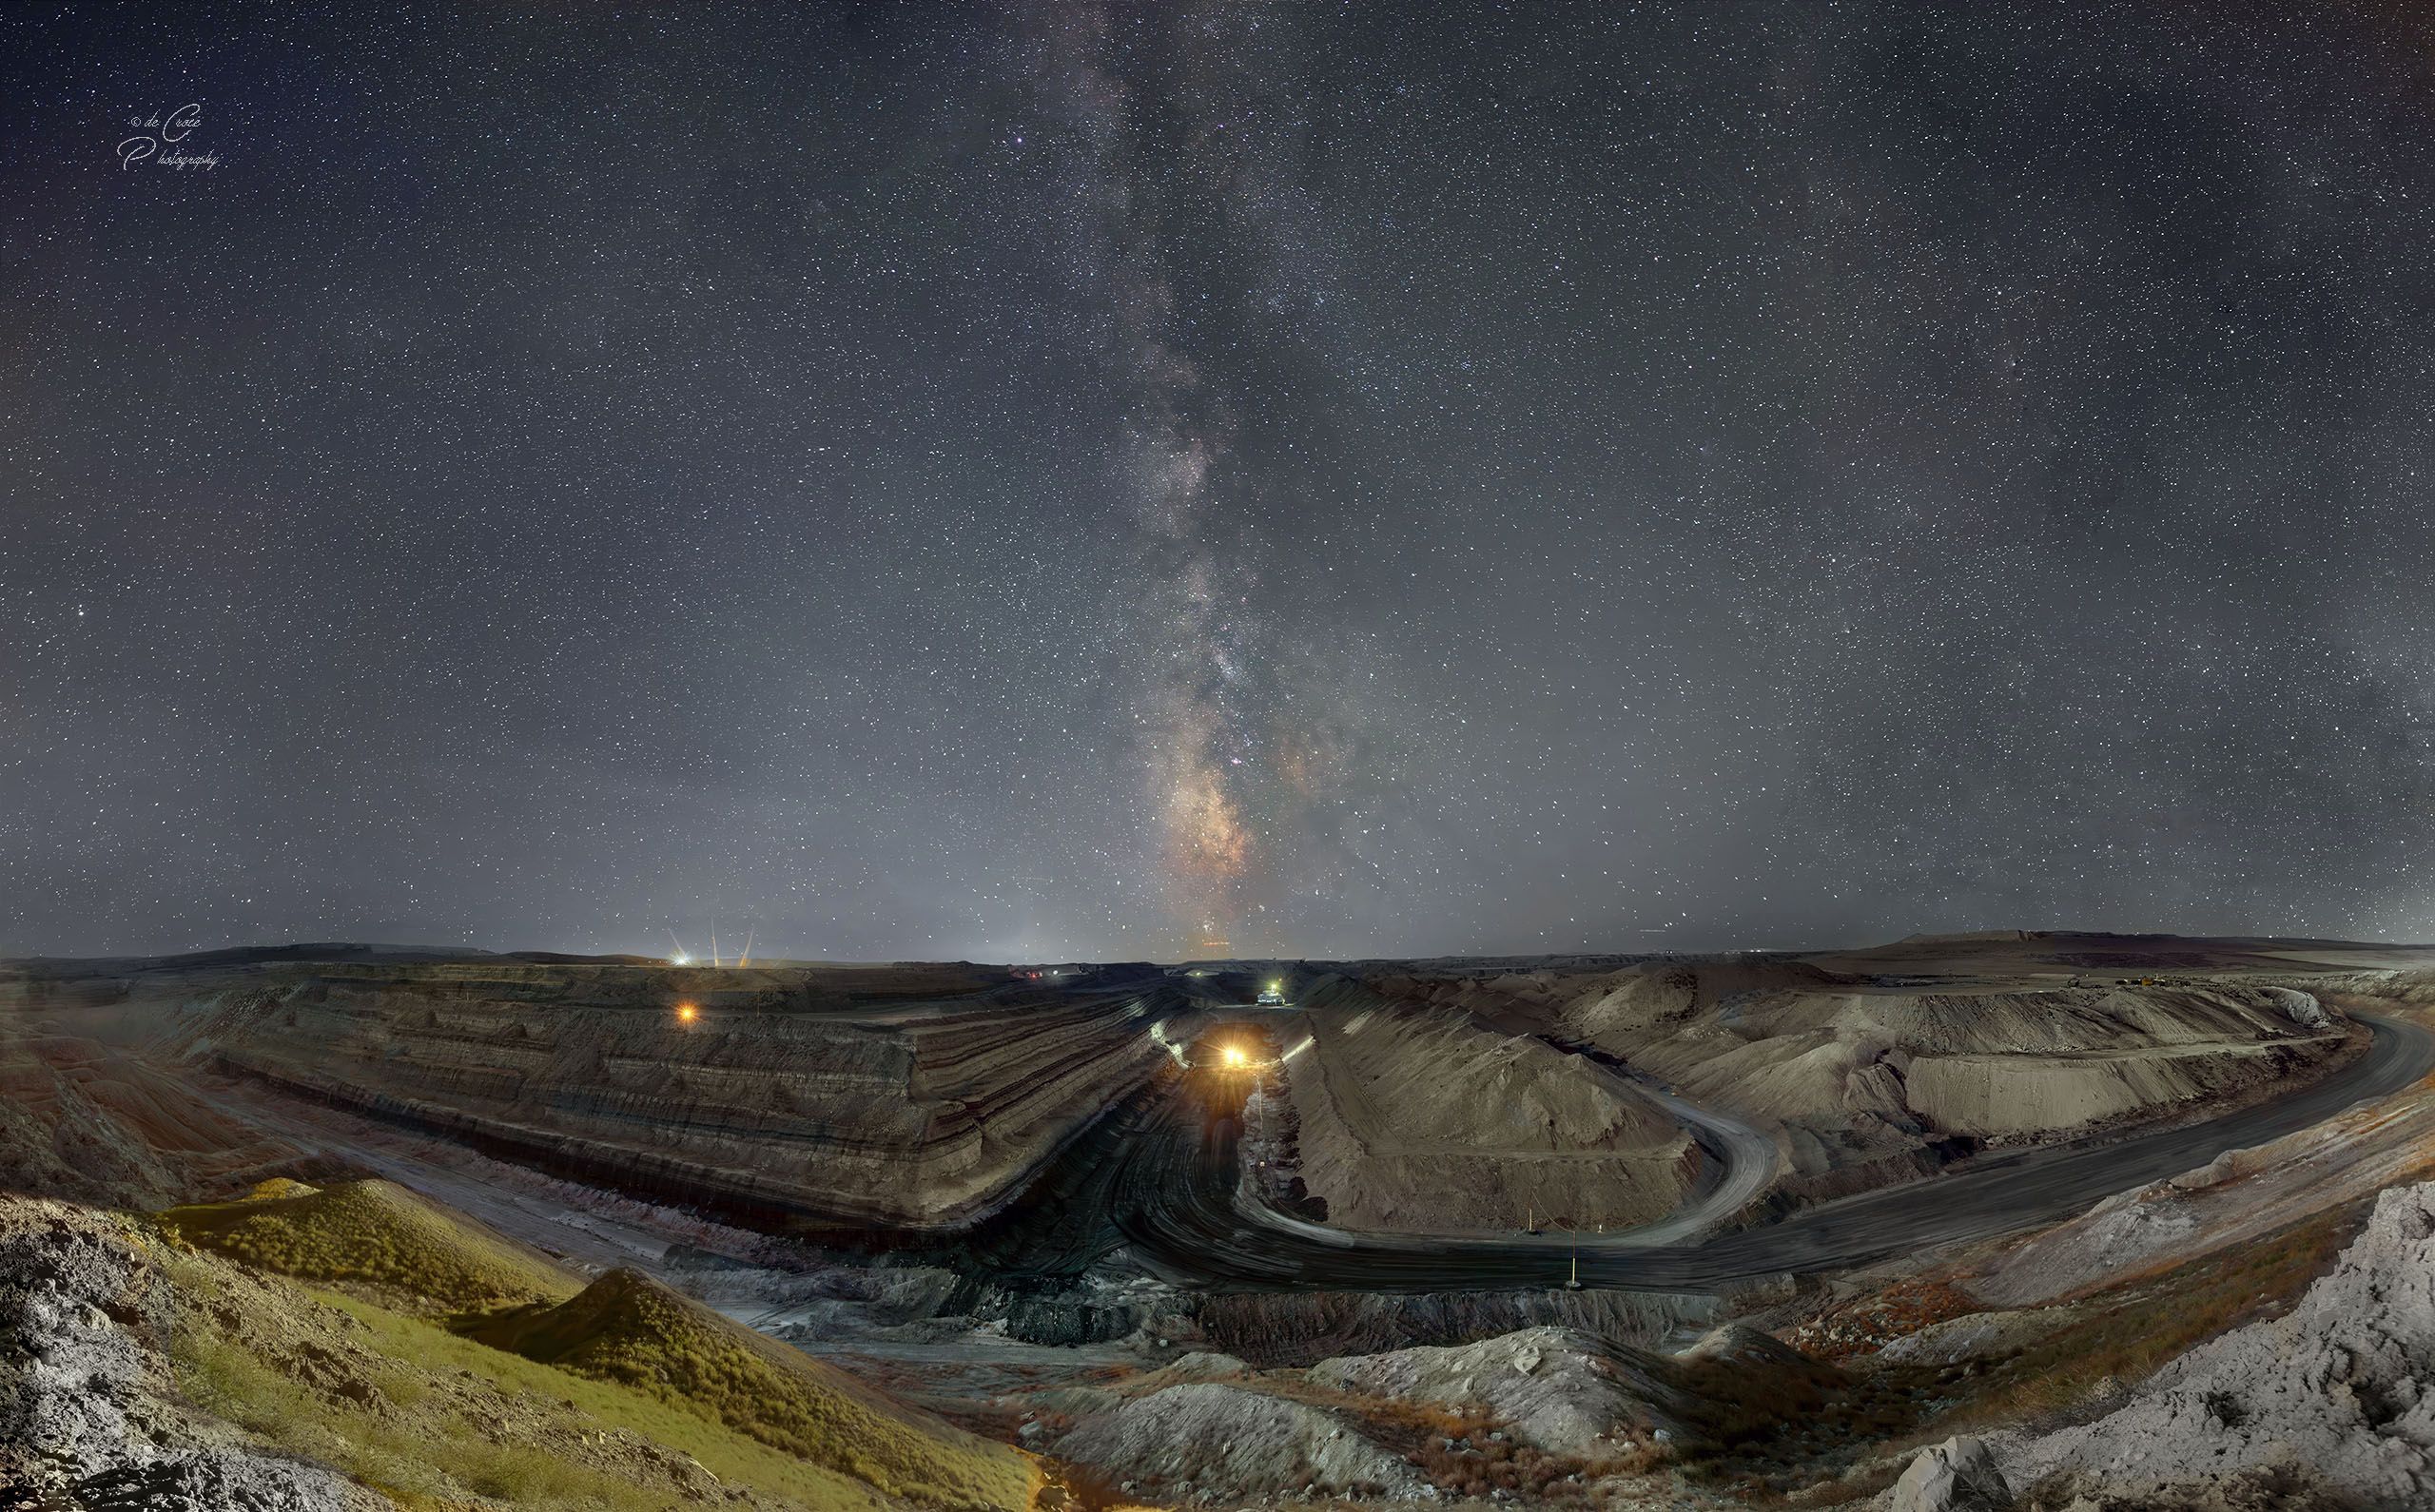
2016, 1220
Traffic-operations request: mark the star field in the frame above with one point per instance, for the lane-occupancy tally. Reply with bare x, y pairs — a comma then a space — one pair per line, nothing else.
1093, 480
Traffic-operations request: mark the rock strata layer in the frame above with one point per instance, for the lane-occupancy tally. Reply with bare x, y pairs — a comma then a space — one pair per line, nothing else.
819, 1095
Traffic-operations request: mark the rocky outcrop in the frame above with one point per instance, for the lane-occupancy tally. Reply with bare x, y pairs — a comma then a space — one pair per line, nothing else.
89, 1410
2303, 1008
1214, 1442
1956, 1476
1556, 1388
2342, 1386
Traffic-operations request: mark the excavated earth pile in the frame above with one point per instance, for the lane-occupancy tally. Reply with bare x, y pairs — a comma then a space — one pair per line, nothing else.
1541, 1412
1423, 1119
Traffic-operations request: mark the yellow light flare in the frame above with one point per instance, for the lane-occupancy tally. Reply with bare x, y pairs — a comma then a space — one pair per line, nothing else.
687, 1012
1234, 1057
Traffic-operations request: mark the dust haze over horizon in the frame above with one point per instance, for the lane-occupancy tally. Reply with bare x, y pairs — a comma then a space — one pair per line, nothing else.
1073, 481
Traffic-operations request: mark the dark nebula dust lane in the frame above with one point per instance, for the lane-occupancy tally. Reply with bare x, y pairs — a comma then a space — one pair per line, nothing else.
1083, 480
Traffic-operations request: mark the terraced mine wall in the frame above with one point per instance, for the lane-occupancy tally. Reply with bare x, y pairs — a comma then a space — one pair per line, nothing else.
783, 1097
1866, 1081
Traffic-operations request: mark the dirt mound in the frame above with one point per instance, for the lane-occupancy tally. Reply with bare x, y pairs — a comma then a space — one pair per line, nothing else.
1521, 1414
139, 1374
1212, 1442
2025, 1095
375, 1234
1557, 1388
628, 1328
1420, 1119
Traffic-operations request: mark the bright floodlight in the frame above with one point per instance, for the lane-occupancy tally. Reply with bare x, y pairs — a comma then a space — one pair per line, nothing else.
687, 1012
1232, 1055
684, 961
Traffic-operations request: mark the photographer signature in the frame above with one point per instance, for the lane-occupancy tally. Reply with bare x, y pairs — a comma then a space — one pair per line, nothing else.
159, 133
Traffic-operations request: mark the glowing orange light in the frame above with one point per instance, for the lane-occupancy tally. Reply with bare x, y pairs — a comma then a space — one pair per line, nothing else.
687, 1012
1232, 1055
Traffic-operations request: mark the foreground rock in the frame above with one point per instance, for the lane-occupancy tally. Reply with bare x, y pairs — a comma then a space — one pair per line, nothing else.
1956, 1476
1521, 1415
89, 1414
1556, 1388
2328, 1405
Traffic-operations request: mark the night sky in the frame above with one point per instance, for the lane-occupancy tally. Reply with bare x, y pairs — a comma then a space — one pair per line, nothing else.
1053, 481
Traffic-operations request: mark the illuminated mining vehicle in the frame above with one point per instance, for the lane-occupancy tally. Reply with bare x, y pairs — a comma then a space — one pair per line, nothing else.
1241, 1048
1224, 1065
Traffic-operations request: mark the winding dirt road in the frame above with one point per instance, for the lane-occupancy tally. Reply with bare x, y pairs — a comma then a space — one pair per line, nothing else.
1177, 1199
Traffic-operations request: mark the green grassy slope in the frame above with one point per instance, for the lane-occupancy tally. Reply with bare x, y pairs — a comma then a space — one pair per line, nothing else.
373, 1233
628, 1328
